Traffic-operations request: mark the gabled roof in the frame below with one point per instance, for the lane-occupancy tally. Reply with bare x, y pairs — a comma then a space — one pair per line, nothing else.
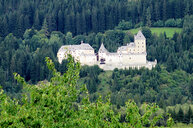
102, 49
85, 46
82, 46
139, 36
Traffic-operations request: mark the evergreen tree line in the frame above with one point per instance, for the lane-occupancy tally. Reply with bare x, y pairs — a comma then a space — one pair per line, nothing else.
182, 115
86, 16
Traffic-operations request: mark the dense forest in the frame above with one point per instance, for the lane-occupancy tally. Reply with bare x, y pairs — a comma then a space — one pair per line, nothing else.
30, 31
86, 16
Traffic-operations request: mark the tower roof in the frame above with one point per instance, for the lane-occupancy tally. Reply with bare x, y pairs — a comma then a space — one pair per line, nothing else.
102, 48
139, 36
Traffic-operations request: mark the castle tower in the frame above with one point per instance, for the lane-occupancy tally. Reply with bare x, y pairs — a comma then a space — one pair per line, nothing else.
140, 43
102, 53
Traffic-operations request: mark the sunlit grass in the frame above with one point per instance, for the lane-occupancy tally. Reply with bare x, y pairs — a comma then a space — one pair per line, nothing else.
181, 125
169, 31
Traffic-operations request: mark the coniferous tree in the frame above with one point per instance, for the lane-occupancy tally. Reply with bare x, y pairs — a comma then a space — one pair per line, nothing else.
148, 17
45, 27
189, 116
164, 10
180, 115
60, 21
37, 21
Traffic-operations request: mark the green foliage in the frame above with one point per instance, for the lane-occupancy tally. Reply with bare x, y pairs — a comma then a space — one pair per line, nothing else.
146, 32
54, 104
87, 16
187, 26
124, 25
170, 23
158, 23
168, 84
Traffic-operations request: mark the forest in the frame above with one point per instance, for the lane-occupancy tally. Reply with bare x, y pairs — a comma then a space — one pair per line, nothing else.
86, 16
30, 31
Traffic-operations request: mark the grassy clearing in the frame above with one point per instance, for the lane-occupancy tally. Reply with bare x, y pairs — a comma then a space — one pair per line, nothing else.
181, 125
169, 31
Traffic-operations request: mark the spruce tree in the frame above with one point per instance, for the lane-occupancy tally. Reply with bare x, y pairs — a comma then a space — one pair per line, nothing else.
180, 115
189, 116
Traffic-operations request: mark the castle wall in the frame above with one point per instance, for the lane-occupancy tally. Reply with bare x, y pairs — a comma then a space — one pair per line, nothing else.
88, 60
133, 59
85, 56
132, 55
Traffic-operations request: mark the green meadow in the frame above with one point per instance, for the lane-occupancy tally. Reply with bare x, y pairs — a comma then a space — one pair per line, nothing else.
157, 30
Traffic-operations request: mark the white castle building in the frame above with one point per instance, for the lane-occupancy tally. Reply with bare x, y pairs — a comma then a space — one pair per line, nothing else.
132, 55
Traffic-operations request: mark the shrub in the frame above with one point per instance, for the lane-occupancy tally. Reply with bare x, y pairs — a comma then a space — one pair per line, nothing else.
124, 25
159, 23
179, 23
170, 23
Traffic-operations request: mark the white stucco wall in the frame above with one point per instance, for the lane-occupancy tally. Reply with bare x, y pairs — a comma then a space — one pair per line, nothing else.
140, 46
132, 55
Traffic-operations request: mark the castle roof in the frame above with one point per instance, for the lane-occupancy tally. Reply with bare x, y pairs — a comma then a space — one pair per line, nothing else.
139, 36
102, 49
132, 44
82, 46
85, 46
125, 48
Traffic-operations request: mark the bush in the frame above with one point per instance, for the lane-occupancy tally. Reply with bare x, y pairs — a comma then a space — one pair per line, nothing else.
170, 23
140, 24
179, 23
124, 25
146, 32
159, 23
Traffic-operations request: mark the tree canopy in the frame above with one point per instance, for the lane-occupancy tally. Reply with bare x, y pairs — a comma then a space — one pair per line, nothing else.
61, 103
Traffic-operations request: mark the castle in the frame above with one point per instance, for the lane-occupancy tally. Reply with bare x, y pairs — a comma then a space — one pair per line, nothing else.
132, 55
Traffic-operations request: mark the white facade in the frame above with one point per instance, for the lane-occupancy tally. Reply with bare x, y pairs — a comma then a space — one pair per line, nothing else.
83, 53
132, 55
